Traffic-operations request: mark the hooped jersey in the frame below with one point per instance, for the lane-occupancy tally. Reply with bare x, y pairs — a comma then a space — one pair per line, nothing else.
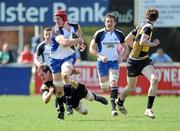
108, 43
141, 51
58, 51
43, 51
49, 84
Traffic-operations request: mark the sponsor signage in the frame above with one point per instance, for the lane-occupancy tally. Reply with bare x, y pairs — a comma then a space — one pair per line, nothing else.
169, 80
38, 12
124, 11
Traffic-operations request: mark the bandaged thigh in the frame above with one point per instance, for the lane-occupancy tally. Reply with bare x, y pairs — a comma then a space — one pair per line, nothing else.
59, 85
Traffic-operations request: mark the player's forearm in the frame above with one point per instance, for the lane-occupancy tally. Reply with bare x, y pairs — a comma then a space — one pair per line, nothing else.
125, 51
70, 42
130, 39
93, 48
37, 62
46, 97
94, 52
147, 42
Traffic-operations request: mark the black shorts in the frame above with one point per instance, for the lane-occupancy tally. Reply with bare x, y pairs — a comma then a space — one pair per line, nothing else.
135, 67
78, 94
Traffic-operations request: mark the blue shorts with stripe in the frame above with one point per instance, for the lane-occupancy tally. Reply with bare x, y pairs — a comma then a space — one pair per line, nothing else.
55, 64
103, 68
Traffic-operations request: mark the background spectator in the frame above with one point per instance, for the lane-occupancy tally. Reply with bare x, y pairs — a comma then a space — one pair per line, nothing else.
26, 56
160, 57
6, 56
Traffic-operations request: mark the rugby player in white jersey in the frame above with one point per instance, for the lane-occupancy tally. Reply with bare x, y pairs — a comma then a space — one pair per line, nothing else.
62, 56
41, 60
104, 46
42, 54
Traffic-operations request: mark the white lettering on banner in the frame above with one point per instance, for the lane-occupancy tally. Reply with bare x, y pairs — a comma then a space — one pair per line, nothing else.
169, 75
83, 14
159, 74
166, 74
124, 18
22, 13
88, 11
87, 75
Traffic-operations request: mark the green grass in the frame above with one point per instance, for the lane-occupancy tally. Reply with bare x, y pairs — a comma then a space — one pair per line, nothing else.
29, 113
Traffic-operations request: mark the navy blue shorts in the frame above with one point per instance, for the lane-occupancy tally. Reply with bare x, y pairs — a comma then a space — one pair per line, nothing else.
78, 94
135, 67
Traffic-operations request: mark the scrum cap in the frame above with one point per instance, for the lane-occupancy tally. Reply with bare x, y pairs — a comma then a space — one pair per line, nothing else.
62, 14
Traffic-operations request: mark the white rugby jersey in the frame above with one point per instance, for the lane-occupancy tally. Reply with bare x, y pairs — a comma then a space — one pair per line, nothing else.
108, 42
58, 51
43, 51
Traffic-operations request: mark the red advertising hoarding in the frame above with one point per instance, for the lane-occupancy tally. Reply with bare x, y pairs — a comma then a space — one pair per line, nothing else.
169, 80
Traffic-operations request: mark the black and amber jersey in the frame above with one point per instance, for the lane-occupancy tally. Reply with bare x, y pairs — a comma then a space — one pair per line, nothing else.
141, 51
49, 84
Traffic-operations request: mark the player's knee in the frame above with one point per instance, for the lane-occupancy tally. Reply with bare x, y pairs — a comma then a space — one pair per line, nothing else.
82, 109
85, 112
129, 88
65, 76
154, 80
104, 86
90, 96
113, 78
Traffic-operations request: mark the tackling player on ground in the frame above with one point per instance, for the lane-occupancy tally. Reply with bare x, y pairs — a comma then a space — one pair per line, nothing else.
78, 90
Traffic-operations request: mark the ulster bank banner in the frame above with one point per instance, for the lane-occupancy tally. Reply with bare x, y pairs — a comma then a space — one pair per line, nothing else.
123, 10
40, 12
169, 80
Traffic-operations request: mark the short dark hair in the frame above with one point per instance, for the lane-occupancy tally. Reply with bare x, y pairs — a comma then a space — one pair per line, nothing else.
151, 14
45, 68
110, 15
47, 29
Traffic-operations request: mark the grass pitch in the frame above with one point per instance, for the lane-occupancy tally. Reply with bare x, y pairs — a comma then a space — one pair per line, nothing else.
29, 113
